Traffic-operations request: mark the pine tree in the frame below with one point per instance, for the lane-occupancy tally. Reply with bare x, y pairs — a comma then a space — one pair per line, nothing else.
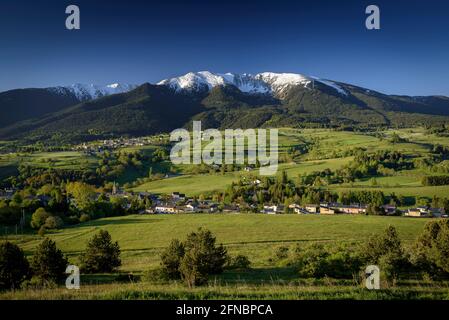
48, 262
101, 255
14, 267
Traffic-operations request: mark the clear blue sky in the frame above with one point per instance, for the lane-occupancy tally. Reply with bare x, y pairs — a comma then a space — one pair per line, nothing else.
145, 41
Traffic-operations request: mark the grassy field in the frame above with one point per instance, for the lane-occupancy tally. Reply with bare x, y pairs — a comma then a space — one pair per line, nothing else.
73, 160
327, 150
143, 237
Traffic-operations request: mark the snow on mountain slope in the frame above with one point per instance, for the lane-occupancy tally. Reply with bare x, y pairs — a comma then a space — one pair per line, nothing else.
332, 85
84, 92
262, 83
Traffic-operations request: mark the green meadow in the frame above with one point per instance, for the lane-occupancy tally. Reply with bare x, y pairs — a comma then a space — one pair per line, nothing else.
142, 237
326, 150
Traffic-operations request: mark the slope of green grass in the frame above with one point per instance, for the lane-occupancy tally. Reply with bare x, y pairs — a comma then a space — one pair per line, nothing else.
141, 237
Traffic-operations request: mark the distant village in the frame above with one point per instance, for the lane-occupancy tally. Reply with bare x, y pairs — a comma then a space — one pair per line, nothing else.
178, 203
114, 144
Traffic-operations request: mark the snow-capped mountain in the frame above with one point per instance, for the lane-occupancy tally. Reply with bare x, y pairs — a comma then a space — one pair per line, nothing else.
261, 83
84, 92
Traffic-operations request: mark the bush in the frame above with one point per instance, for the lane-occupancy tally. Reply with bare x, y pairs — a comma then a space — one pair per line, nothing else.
155, 275
315, 261
281, 253
39, 217
171, 259
386, 251
48, 263
239, 262
311, 262
53, 222
430, 252
10, 215
435, 181
343, 264
101, 255
202, 258
14, 267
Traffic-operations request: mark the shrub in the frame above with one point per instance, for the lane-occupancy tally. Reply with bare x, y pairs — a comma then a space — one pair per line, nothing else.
202, 258
430, 252
435, 180
386, 251
343, 263
39, 217
281, 253
101, 255
316, 261
171, 259
53, 222
9, 215
155, 275
14, 267
48, 262
311, 262
239, 262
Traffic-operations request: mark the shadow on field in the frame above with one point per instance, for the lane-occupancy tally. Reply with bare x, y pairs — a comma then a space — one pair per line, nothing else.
108, 278
259, 275
280, 241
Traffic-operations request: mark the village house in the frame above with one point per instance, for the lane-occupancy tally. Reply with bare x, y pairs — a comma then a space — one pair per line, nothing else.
229, 208
351, 209
436, 212
417, 212
167, 208
191, 207
176, 196
312, 208
327, 210
272, 209
389, 209
300, 210
332, 208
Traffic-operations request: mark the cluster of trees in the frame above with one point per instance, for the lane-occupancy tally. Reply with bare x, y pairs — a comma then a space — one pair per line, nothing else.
36, 177
376, 197
48, 264
435, 180
436, 162
282, 190
53, 205
113, 164
370, 165
441, 130
194, 259
427, 256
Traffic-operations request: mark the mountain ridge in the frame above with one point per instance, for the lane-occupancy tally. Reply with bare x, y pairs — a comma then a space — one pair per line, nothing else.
221, 101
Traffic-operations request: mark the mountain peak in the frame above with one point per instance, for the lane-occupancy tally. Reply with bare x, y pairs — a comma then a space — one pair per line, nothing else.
261, 83
84, 92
